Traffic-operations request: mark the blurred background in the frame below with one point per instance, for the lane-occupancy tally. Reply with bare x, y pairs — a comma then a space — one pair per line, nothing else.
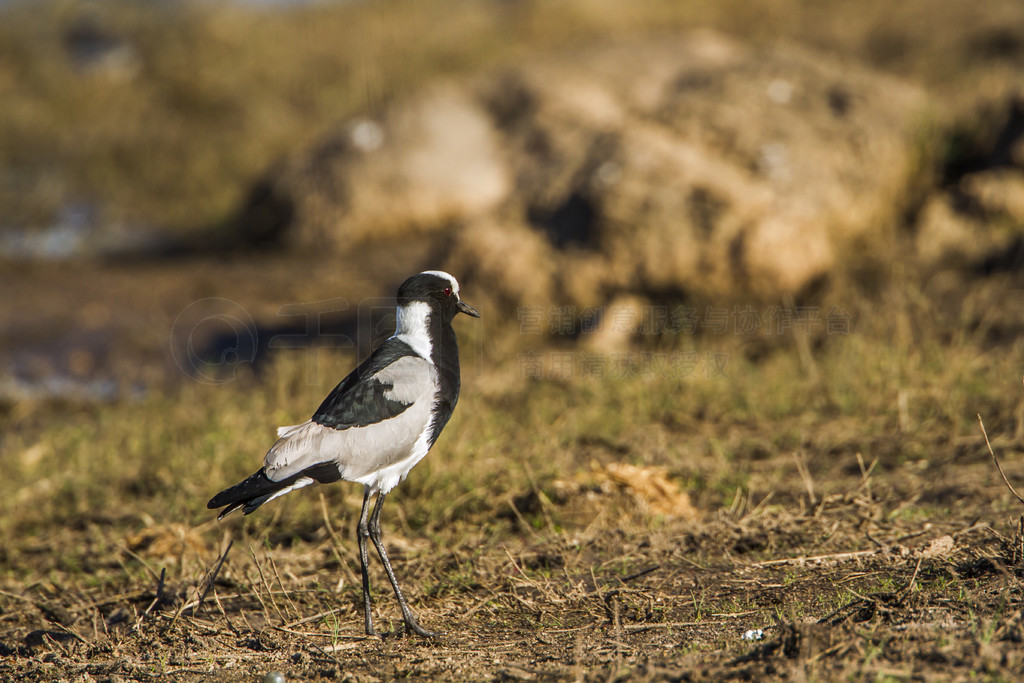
740, 218
567, 156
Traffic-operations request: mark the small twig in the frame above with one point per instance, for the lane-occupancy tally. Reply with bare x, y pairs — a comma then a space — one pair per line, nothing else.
910, 585
336, 542
216, 599
519, 516
881, 546
306, 620
996, 460
665, 624
140, 559
206, 583
616, 623
764, 501
285, 629
805, 474
865, 472
816, 558
287, 596
159, 591
212, 576
266, 586
542, 498
338, 647
475, 608
642, 572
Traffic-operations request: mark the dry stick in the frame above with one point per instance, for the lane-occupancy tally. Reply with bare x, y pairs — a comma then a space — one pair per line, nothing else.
667, 624
805, 474
216, 599
306, 620
335, 542
764, 501
475, 608
207, 582
624, 579
519, 516
159, 591
816, 558
212, 576
542, 499
642, 572
737, 502
910, 584
267, 586
996, 460
141, 560
865, 472
321, 634
1020, 535
617, 624
273, 565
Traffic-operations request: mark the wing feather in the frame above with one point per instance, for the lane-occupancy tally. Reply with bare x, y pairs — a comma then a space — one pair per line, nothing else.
362, 446
382, 387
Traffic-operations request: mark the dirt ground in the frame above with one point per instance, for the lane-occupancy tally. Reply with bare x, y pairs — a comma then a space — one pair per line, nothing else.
813, 547
845, 588
838, 520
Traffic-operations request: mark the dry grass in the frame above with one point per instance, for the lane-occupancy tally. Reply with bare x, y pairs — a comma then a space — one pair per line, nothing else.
852, 513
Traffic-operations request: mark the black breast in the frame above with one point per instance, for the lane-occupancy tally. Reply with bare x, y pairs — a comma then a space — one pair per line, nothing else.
445, 356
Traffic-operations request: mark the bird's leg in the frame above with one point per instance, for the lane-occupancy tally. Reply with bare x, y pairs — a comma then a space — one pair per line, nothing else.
407, 615
362, 534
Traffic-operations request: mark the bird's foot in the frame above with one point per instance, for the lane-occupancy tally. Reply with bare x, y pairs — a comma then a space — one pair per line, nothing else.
411, 625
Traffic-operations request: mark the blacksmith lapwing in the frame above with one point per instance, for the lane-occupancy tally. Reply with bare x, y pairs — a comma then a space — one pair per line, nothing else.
377, 424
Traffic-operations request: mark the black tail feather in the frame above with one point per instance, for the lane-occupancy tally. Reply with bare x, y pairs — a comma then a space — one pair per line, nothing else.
249, 494
258, 488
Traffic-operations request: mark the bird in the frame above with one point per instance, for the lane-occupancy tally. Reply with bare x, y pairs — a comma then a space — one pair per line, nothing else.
376, 424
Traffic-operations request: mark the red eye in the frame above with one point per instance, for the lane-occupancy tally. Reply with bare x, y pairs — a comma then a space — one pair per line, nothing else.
447, 291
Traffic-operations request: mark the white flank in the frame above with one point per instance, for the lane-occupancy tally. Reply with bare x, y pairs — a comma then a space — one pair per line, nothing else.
446, 276
411, 328
387, 478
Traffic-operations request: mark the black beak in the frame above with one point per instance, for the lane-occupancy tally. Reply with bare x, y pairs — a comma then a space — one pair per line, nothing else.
467, 309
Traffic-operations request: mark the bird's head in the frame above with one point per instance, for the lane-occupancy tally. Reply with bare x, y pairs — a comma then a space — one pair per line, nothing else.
437, 289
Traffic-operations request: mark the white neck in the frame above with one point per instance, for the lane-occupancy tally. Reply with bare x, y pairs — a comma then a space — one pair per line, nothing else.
412, 327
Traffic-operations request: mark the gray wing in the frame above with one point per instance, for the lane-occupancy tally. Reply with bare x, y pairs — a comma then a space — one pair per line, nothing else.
368, 394
360, 451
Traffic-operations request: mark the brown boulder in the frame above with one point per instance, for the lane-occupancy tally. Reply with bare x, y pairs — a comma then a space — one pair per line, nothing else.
693, 164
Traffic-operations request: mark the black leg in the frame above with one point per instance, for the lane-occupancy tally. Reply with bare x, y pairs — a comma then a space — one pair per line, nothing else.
407, 615
363, 533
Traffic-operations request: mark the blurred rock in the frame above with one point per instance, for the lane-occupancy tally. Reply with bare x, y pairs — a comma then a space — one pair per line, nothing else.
93, 48
421, 166
694, 164
946, 236
620, 322
978, 220
515, 261
998, 191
